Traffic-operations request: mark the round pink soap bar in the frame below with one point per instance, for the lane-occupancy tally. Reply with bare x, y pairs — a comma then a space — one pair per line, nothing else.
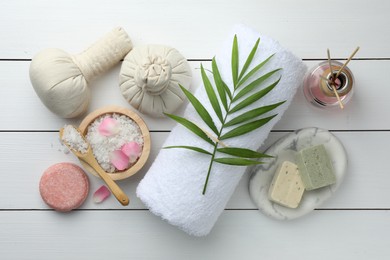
64, 186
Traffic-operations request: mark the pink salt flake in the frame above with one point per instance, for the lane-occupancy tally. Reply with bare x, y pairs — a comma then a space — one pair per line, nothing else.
132, 150
119, 160
109, 127
101, 194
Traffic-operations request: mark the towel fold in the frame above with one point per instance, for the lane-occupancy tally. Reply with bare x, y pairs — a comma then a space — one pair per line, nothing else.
172, 188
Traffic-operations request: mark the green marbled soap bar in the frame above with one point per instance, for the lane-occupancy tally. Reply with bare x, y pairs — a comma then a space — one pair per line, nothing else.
315, 167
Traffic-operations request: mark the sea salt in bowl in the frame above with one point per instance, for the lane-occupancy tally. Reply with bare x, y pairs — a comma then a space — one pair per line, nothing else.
130, 119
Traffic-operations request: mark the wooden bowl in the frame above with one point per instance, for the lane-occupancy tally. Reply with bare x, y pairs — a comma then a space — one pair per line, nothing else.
120, 175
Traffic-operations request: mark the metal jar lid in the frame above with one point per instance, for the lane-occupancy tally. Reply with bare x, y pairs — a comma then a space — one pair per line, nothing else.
346, 81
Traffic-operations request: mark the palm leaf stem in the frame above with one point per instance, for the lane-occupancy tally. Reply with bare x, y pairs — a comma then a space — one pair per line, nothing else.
210, 166
216, 146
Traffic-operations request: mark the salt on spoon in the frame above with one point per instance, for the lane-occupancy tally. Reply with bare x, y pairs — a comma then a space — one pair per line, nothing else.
76, 143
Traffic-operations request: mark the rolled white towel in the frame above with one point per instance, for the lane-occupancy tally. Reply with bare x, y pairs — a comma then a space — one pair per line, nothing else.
172, 188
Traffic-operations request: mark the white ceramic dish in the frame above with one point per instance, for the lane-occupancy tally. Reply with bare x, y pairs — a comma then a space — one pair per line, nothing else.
284, 150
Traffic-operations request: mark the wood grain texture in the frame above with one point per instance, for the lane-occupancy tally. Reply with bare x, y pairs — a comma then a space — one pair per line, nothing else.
28, 113
364, 186
299, 25
237, 235
353, 224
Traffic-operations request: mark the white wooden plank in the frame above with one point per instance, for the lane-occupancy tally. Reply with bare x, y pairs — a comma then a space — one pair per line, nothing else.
365, 186
26, 112
38, 151
366, 110
304, 27
367, 182
195, 28
236, 235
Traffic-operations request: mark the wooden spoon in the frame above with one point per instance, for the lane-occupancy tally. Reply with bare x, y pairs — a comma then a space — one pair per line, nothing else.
89, 159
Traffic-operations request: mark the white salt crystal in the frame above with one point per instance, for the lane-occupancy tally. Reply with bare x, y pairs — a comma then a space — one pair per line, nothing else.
73, 139
103, 146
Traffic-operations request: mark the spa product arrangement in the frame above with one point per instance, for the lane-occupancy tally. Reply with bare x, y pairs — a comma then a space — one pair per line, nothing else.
172, 188
61, 80
116, 137
307, 167
72, 138
251, 84
119, 138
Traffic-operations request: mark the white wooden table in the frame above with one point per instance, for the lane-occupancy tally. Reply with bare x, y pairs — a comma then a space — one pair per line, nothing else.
353, 224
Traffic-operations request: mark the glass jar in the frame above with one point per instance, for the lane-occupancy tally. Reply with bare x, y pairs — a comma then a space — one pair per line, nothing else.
319, 91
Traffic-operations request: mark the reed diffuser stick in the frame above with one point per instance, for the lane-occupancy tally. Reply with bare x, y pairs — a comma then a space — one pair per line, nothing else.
349, 59
337, 96
330, 66
333, 81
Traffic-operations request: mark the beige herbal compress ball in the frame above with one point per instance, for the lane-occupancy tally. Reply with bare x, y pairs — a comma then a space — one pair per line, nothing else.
61, 80
150, 78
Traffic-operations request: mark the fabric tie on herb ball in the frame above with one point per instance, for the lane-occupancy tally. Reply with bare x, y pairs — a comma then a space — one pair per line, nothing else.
154, 75
61, 80
150, 78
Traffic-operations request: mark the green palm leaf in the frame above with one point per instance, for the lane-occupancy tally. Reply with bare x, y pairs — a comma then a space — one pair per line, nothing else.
253, 98
235, 61
226, 88
249, 59
192, 127
193, 148
227, 91
242, 152
236, 161
219, 84
254, 84
211, 94
253, 71
200, 109
246, 128
252, 114
221, 95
